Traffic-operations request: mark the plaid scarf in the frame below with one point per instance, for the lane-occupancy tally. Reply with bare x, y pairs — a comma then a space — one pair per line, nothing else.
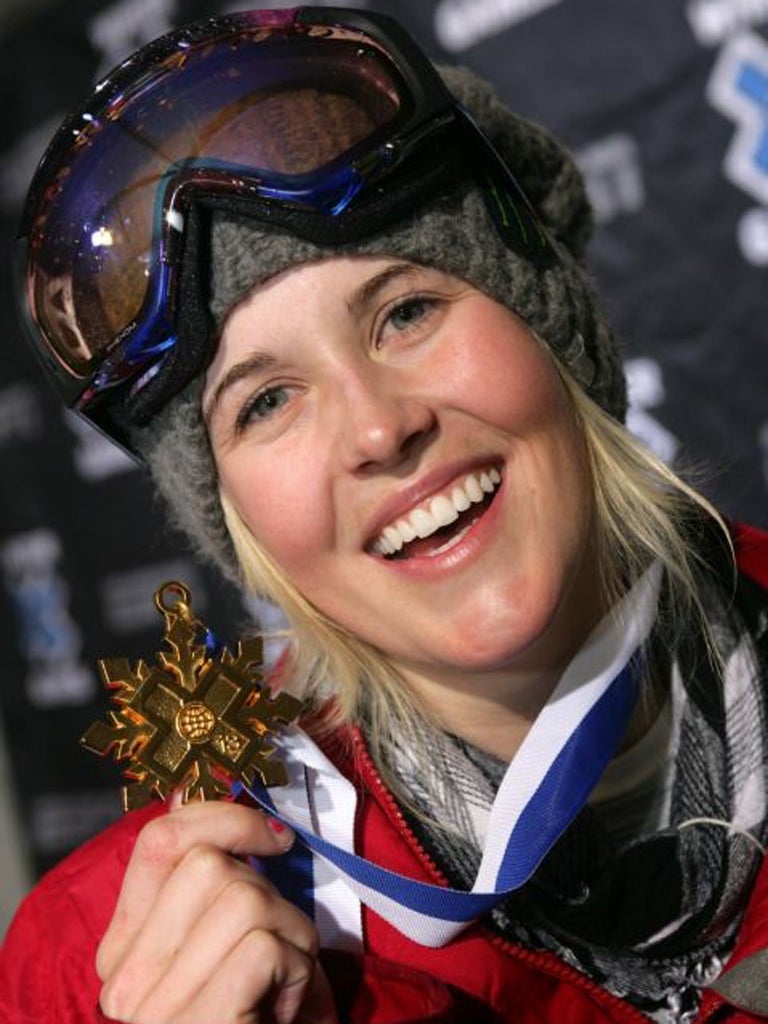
653, 918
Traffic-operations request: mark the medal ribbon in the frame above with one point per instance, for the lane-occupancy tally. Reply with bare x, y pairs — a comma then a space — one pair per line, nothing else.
547, 783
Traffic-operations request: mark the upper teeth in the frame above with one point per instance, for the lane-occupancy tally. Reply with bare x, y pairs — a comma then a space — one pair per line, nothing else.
441, 510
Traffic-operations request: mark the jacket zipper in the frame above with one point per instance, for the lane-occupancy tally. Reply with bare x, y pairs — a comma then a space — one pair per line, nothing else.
372, 777
546, 962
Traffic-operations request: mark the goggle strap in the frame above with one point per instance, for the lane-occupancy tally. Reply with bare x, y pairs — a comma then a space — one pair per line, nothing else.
373, 210
193, 320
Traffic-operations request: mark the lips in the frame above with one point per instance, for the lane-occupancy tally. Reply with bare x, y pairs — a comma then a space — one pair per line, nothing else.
441, 510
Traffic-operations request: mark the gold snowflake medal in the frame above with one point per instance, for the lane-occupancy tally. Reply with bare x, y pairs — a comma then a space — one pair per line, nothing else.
197, 720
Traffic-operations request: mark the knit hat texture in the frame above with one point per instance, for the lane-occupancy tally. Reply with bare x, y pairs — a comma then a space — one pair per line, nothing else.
453, 233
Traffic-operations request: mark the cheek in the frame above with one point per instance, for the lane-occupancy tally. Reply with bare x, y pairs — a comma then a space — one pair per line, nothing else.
278, 499
517, 389
511, 383
492, 367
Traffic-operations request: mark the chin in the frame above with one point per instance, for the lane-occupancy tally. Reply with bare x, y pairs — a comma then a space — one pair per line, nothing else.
538, 631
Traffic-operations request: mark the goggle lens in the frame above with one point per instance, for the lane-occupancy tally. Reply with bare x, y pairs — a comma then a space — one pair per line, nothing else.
267, 101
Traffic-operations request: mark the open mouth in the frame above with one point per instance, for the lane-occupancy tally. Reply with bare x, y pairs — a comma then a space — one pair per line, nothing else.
440, 523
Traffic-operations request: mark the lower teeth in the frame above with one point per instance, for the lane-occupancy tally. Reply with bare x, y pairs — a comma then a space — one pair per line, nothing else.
455, 539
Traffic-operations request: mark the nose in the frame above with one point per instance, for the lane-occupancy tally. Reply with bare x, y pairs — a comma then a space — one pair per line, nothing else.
383, 422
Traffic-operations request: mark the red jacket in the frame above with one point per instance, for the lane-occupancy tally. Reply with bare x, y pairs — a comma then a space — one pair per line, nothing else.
47, 973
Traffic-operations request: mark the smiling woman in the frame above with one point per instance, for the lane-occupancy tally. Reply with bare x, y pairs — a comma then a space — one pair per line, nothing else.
395, 390
349, 329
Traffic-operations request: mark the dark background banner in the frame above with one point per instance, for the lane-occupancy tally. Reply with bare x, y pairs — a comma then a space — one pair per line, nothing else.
665, 105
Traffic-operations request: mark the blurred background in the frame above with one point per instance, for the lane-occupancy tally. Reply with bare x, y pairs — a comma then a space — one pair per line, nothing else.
665, 106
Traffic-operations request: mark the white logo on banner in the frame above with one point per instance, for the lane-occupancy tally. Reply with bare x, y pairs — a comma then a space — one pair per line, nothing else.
713, 21
20, 414
95, 457
612, 175
645, 389
738, 87
48, 636
460, 24
752, 236
126, 597
125, 26
61, 821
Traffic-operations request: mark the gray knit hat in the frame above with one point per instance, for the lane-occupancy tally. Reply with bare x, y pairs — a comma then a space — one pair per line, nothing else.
453, 233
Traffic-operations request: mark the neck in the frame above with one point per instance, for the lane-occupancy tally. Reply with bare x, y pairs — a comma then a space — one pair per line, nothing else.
493, 712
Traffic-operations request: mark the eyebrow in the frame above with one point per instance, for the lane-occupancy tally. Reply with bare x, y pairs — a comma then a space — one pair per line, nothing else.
367, 292
254, 363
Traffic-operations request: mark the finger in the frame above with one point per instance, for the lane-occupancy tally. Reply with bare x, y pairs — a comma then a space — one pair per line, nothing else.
191, 889
244, 902
161, 846
318, 1005
207, 906
248, 985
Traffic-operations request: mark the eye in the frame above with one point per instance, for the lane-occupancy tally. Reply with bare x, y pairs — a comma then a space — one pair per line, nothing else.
263, 405
407, 315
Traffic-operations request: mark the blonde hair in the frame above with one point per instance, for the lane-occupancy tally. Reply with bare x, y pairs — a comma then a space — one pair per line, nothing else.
325, 660
642, 510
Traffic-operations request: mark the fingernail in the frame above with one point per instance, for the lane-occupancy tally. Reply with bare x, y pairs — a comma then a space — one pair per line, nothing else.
280, 829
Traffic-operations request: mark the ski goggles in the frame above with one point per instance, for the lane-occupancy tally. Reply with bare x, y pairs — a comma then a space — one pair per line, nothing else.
328, 121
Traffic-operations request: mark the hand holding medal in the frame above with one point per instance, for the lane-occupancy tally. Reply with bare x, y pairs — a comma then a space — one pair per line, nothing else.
197, 932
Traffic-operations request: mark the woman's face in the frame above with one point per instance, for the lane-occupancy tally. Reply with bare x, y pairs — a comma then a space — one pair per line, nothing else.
402, 448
